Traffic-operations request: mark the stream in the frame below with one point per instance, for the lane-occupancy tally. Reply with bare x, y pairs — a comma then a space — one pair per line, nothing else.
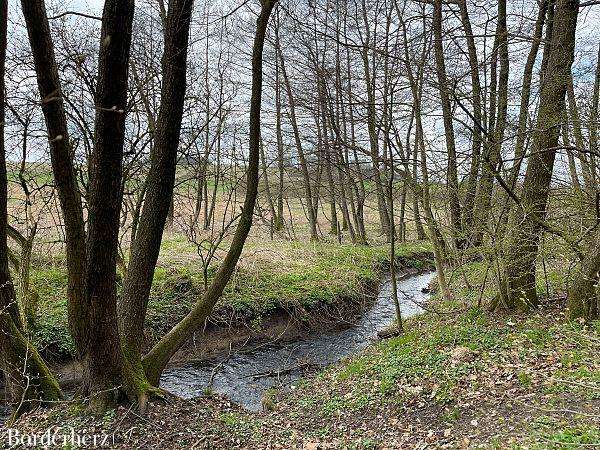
244, 377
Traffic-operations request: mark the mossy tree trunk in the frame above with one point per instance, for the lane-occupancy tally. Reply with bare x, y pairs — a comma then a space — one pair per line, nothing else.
523, 247
156, 360
160, 185
29, 382
582, 299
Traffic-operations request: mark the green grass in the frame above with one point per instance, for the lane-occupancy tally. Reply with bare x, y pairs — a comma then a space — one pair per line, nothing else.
272, 274
551, 433
417, 366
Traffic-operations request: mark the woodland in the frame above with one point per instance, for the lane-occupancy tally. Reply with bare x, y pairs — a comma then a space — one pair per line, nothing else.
300, 224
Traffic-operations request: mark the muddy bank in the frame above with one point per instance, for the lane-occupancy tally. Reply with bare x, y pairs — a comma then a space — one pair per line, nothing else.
246, 375
244, 335
285, 325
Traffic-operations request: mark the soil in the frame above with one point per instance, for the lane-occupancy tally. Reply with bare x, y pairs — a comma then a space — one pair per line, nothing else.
492, 408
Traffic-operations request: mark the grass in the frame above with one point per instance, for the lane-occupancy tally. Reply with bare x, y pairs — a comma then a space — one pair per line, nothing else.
295, 276
548, 366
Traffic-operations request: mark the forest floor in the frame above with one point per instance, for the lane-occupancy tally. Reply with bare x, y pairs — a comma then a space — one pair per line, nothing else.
460, 377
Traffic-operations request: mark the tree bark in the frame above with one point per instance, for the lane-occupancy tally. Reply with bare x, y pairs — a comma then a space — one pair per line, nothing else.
29, 382
156, 360
61, 155
523, 247
312, 217
104, 358
159, 191
452, 172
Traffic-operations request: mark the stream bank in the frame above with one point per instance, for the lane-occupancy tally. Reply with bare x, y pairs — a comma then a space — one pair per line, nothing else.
525, 382
245, 375
337, 308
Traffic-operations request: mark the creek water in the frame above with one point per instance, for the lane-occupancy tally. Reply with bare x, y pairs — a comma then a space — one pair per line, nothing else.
244, 377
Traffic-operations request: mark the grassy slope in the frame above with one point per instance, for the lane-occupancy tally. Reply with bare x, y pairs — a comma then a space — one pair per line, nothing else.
281, 274
527, 382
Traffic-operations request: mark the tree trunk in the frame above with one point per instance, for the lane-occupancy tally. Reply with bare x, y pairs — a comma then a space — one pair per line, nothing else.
452, 173
156, 360
593, 119
492, 158
29, 382
523, 247
589, 184
372, 129
160, 184
471, 190
266, 181
103, 359
526, 93
326, 151
61, 155
582, 299
279, 220
312, 217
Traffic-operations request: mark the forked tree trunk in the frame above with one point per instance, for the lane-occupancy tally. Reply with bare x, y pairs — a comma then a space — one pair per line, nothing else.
160, 184
546, 8
156, 360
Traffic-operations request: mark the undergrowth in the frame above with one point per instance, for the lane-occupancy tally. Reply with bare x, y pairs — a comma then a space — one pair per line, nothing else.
271, 275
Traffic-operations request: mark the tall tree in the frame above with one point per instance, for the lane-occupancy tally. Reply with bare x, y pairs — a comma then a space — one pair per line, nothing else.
158, 357
526, 223
61, 157
160, 183
29, 382
452, 169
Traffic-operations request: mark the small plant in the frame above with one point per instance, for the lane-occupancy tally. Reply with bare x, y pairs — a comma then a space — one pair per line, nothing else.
524, 378
451, 415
